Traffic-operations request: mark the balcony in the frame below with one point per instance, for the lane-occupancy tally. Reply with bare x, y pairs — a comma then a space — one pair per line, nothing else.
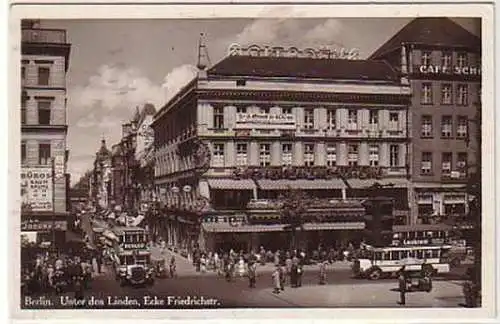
45, 36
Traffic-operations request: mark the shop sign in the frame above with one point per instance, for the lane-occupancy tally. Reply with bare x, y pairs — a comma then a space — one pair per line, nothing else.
38, 226
263, 120
37, 188
438, 69
133, 246
325, 52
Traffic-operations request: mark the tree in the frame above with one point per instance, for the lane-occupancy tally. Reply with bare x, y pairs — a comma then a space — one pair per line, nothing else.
294, 206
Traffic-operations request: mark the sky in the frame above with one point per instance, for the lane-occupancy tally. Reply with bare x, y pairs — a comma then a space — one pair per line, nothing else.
117, 65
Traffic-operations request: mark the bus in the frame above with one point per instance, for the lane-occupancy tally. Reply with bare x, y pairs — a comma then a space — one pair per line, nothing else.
378, 262
131, 255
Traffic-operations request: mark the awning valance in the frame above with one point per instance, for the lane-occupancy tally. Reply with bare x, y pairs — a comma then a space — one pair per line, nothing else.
248, 228
230, 184
366, 183
317, 184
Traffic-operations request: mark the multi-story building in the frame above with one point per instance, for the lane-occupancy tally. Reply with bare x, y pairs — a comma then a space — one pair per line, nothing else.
102, 190
44, 63
244, 132
442, 61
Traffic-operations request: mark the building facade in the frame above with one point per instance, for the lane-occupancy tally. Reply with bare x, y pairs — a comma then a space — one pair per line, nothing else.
44, 63
249, 129
442, 62
102, 189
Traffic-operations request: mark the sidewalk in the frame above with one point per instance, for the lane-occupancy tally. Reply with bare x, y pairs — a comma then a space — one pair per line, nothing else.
444, 294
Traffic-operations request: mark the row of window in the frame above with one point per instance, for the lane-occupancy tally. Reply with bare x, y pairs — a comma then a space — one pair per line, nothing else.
461, 98
447, 130
43, 75
309, 120
427, 167
446, 59
44, 153
44, 108
309, 155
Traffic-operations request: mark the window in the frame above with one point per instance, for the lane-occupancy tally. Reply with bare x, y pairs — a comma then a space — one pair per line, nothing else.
265, 155
23, 73
218, 117
308, 118
393, 117
24, 100
426, 130
462, 94
265, 110
426, 167
23, 152
373, 117
446, 126
241, 110
374, 155
331, 119
43, 75
308, 154
331, 155
286, 110
462, 162
462, 60
426, 93
286, 154
241, 83
394, 155
426, 58
446, 60
446, 96
352, 154
44, 154
241, 154
446, 163
44, 112
352, 119
462, 126
218, 155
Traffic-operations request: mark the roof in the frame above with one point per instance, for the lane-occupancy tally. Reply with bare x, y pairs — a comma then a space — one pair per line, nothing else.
308, 68
439, 31
103, 150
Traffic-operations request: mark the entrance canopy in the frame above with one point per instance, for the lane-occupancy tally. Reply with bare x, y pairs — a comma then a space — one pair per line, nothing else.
284, 184
230, 184
366, 183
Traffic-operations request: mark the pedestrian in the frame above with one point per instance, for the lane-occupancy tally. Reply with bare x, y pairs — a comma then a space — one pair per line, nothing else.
282, 273
276, 280
300, 271
241, 266
322, 272
252, 269
402, 285
172, 267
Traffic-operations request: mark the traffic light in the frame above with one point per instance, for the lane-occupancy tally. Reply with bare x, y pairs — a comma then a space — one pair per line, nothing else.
379, 219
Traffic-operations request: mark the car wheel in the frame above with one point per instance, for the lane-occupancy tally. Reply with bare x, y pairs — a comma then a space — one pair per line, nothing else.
375, 274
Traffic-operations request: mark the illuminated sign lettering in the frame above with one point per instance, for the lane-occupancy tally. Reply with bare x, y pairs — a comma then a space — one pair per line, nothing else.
278, 51
264, 120
132, 246
438, 69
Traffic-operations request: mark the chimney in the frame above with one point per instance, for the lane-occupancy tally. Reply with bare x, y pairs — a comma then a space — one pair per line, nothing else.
404, 65
203, 59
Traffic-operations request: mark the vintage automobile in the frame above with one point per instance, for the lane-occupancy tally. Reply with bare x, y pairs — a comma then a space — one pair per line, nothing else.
134, 269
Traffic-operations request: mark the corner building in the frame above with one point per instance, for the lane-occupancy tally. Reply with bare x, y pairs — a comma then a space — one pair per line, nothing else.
235, 139
442, 62
44, 63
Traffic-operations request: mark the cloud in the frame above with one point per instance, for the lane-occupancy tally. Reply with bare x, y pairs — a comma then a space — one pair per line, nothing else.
108, 99
288, 32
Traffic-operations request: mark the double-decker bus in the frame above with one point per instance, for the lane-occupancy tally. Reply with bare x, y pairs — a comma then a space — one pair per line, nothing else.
132, 255
377, 262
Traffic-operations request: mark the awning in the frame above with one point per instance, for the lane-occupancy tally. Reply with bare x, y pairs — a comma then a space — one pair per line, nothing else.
334, 226
366, 183
316, 184
230, 184
421, 228
228, 228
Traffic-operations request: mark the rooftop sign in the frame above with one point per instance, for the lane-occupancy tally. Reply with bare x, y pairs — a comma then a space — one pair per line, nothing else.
278, 51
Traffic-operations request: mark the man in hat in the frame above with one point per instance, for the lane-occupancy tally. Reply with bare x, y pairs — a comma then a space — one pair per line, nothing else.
252, 269
402, 285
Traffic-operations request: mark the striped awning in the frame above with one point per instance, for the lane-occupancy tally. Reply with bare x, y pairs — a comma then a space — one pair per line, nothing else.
230, 184
284, 184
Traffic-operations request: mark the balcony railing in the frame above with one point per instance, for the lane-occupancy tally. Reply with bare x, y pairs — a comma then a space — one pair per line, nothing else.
54, 36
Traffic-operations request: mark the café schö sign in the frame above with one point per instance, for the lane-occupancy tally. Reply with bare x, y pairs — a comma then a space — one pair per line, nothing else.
278, 51
458, 70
